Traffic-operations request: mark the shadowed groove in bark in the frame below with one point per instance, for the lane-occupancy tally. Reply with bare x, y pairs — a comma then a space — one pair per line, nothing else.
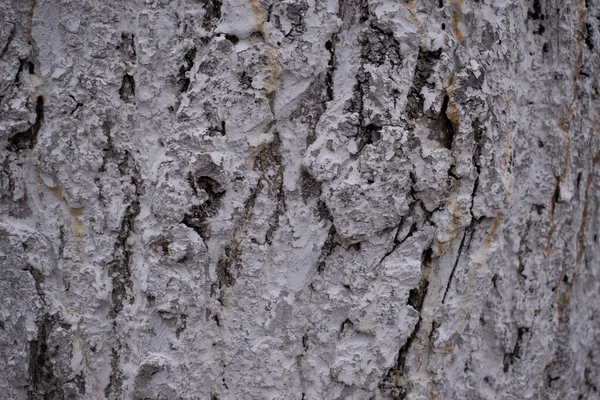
197, 217
27, 139
392, 382
43, 382
127, 90
183, 77
459, 254
120, 267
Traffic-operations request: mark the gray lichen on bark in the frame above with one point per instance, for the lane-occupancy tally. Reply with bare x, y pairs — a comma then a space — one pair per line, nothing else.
341, 199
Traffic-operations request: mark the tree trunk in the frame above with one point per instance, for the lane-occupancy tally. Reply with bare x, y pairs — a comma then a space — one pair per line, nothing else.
299, 199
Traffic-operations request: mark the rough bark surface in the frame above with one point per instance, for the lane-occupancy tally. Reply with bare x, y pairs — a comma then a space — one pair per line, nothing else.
299, 199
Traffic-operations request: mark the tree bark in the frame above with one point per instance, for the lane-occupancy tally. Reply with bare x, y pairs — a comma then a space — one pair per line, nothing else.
299, 199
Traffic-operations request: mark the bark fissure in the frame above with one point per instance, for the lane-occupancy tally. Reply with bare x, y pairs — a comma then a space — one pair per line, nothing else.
27, 140
43, 381
416, 300
460, 250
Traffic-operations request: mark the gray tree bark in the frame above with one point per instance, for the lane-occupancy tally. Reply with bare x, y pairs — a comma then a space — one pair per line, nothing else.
299, 199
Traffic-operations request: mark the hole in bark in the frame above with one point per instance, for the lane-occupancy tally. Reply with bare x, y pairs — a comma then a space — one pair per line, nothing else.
232, 38
127, 90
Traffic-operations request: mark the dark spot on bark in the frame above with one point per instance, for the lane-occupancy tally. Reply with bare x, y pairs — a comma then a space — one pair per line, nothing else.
541, 29
127, 90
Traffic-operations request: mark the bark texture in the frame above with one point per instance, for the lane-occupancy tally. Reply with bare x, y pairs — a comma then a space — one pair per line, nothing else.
299, 199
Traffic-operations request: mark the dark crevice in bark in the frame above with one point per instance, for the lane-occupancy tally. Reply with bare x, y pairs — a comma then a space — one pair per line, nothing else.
114, 389
380, 45
330, 47
212, 13
536, 12
589, 36
426, 61
328, 247
346, 325
38, 278
22, 64
392, 383
397, 241
269, 162
232, 38
183, 78
305, 345
11, 36
460, 249
43, 383
120, 267
524, 250
313, 105
28, 139
516, 353
127, 90
197, 217
127, 46
356, 105
442, 130
78, 104
309, 186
